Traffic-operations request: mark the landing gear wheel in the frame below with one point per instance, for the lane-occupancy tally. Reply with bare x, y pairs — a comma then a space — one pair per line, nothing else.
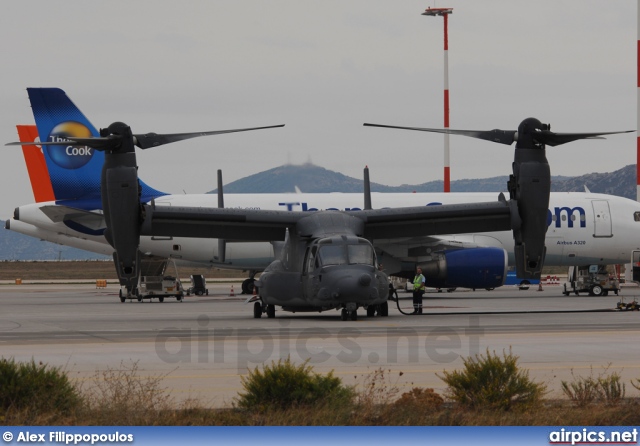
271, 311
371, 311
383, 309
596, 290
344, 315
247, 286
122, 297
354, 315
257, 310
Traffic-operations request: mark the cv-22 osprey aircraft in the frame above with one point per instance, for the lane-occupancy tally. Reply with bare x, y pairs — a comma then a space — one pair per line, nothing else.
324, 259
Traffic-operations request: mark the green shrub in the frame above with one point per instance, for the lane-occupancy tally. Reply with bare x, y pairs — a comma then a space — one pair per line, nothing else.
284, 385
492, 382
35, 388
606, 388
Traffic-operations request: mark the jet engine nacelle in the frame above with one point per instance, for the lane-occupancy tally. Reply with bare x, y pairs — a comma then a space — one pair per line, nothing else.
467, 268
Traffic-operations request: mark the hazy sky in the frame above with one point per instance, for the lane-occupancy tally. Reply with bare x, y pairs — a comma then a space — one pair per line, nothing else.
323, 68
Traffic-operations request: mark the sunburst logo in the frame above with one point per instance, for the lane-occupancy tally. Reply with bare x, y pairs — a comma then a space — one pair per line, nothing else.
64, 155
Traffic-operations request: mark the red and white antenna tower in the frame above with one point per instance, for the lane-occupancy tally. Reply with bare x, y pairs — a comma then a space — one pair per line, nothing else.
444, 12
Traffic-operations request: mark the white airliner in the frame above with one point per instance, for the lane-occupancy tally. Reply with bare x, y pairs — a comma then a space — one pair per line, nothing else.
583, 228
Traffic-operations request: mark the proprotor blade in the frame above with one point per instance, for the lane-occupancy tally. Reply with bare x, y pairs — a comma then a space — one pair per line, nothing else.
555, 139
144, 141
148, 140
98, 143
500, 136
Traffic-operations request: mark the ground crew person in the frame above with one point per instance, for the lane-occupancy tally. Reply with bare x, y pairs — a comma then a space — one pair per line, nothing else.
418, 291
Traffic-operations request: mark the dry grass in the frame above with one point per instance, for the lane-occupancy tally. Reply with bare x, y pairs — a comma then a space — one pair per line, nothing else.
606, 388
121, 396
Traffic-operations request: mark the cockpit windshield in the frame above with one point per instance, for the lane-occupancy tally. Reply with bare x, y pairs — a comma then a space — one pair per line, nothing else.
332, 255
361, 254
358, 252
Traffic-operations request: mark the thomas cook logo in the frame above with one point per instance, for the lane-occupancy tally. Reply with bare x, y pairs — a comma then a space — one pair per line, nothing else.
64, 155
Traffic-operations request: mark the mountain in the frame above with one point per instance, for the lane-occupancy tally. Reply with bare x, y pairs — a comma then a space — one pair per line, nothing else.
622, 182
316, 179
307, 177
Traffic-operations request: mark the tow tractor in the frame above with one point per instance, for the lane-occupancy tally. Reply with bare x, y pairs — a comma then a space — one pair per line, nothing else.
198, 286
592, 279
155, 283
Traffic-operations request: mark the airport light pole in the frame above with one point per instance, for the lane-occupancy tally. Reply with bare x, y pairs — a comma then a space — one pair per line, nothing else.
444, 12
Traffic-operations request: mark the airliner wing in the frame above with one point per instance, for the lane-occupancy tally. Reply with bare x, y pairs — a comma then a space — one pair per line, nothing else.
425, 246
58, 213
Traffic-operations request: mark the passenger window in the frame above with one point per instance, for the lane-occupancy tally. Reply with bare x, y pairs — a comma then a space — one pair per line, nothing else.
311, 260
636, 216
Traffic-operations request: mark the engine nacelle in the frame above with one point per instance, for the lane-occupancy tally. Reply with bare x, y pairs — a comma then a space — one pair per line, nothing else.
467, 268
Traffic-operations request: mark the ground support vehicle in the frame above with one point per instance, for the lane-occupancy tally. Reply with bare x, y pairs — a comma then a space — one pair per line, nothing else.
592, 279
198, 286
155, 282
522, 284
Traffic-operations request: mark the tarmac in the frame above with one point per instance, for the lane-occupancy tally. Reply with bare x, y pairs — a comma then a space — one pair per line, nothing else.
202, 346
